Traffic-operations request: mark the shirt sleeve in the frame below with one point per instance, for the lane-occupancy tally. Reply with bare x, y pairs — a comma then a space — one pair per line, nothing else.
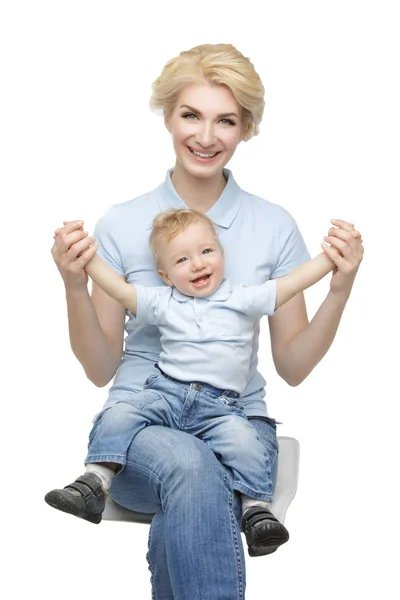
258, 300
151, 304
292, 248
109, 237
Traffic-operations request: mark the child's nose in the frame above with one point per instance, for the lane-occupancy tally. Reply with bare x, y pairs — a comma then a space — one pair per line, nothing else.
198, 263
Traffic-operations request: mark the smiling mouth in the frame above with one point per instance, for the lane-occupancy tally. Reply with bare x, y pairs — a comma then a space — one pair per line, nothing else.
202, 154
201, 279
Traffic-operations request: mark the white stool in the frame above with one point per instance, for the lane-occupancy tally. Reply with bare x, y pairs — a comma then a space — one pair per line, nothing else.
285, 491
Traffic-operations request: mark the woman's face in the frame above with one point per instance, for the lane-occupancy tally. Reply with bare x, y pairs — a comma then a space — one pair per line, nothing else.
206, 128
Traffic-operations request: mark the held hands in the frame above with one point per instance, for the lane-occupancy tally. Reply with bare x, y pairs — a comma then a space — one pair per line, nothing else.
343, 245
71, 251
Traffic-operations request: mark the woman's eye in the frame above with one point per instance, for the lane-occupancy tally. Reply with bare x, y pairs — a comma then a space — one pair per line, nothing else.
189, 116
227, 122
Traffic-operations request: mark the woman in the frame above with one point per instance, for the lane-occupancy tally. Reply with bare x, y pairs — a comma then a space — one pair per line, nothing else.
212, 99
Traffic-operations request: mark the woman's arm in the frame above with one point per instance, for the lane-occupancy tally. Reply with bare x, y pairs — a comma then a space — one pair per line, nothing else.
302, 277
111, 283
297, 344
96, 324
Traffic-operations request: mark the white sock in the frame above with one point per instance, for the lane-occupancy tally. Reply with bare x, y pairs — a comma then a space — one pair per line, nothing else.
248, 502
105, 473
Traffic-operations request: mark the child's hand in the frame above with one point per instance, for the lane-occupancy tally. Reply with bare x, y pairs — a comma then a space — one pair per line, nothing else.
71, 251
346, 251
57, 231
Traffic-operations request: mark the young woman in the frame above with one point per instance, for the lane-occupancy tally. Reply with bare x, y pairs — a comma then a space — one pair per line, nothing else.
212, 99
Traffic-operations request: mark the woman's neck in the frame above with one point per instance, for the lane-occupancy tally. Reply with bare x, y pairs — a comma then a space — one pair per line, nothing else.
198, 193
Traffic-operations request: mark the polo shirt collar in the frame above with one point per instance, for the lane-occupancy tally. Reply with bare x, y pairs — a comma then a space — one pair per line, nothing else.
222, 213
222, 293
219, 295
177, 295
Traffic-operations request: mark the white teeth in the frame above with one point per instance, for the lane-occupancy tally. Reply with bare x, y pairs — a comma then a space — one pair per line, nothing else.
201, 279
202, 155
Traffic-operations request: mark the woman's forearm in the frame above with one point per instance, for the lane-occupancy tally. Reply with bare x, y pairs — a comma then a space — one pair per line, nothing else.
99, 358
305, 350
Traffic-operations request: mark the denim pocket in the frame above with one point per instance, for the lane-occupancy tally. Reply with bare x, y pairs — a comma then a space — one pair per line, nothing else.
96, 420
152, 378
266, 430
231, 402
272, 422
145, 398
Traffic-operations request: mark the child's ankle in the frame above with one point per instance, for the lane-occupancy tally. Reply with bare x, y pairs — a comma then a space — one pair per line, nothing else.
104, 472
248, 502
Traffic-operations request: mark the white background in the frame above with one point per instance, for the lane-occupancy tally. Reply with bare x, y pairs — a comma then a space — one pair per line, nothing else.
76, 137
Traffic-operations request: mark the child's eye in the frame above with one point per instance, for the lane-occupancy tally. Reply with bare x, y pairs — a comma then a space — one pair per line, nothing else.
181, 260
207, 250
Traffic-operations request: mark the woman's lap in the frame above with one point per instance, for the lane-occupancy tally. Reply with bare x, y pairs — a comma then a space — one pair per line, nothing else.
195, 547
156, 452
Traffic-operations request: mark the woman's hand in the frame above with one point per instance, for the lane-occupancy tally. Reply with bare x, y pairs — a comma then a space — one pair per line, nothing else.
348, 241
71, 251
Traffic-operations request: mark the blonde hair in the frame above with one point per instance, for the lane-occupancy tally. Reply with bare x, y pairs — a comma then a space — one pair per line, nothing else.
168, 224
218, 64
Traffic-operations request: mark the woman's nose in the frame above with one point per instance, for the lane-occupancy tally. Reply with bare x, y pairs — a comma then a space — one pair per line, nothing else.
205, 136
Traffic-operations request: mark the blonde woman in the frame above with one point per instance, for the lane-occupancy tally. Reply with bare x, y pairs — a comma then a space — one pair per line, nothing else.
212, 99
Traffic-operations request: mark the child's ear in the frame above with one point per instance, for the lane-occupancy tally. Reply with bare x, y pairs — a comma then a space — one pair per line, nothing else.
165, 277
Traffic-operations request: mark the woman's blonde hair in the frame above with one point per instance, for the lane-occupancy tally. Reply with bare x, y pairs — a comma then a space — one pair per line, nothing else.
169, 223
218, 64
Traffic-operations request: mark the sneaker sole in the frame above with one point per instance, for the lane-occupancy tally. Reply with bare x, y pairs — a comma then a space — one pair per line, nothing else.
58, 501
262, 541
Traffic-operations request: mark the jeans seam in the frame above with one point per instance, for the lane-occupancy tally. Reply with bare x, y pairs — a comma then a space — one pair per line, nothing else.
236, 543
151, 568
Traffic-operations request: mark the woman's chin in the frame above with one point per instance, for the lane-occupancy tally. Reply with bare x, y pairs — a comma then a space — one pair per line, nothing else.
205, 170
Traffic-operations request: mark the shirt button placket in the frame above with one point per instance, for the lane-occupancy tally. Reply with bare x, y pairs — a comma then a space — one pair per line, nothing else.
197, 313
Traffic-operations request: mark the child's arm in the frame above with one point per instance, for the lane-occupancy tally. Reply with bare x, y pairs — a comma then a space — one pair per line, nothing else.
112, 283
302, 277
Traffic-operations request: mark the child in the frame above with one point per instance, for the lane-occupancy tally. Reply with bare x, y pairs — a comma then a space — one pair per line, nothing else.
206, 326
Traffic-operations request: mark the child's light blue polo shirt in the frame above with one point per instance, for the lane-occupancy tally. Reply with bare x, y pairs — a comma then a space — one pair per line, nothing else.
261, 242
206, 339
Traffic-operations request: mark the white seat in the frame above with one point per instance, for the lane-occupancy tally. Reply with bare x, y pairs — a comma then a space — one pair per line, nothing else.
285, 491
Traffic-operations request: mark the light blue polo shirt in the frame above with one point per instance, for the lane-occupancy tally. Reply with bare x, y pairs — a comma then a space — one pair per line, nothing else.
261, 242
206, 339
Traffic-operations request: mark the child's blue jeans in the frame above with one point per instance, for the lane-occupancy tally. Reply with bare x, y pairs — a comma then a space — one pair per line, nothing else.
212, 415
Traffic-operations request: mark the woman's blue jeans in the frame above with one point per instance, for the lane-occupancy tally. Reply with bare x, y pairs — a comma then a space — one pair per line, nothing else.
195, 546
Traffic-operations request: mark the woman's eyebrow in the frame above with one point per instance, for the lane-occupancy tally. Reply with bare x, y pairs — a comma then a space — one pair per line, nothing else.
198, 112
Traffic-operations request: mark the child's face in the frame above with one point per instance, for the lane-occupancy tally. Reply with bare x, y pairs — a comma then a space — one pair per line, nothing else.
193, 261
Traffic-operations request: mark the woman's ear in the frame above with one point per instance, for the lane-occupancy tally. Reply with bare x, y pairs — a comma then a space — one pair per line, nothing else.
167, 122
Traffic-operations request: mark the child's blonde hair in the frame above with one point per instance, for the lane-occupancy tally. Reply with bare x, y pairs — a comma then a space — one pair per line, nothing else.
168, 224
218, 64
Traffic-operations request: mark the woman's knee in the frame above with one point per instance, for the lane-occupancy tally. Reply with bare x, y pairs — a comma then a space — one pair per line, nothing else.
190, 459
170, 454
